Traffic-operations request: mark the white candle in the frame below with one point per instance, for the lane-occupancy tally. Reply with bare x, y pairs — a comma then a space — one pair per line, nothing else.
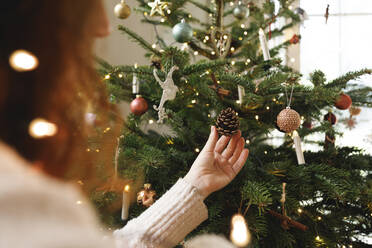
264, 45
126, 203
241, 93
299, 152
135, 85
240, 234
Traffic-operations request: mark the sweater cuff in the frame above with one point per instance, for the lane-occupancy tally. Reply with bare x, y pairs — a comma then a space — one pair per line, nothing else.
169, 219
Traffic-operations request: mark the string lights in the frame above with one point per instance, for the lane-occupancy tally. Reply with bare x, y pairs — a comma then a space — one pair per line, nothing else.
40, 128
22, 61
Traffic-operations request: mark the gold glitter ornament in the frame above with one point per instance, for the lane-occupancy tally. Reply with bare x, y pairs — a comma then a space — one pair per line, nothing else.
288, 120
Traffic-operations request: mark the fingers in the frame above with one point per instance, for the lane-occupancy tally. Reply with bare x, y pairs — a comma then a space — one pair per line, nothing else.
228, 152
221, 144
241, 161
238, 150
212, 140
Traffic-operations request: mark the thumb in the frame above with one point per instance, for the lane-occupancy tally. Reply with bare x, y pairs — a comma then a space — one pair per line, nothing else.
212, 140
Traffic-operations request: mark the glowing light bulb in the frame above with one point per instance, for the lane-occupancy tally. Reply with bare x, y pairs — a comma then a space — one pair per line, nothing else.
153, 46
257, 117
107, 77
213, 52
162, 20
299, 210
239, 235
245, 33
40, 128
233, 62
196, 53
169, 11
247, 142
120, 75
225, 37
242, 26
22, 60
317, 238
319, 218
197, 150
193, 101
79, 202
151, 121
265, 152
267, 107
126, 188
232, 49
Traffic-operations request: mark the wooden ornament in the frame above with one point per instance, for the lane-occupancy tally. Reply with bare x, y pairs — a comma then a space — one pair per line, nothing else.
288, 120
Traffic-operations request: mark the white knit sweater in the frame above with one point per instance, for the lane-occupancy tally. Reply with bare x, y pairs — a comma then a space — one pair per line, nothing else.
38, 212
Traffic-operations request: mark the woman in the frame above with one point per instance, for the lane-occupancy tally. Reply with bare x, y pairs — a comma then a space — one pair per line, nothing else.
38, 209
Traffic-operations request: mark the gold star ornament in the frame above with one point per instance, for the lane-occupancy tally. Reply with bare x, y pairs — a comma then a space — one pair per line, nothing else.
157, 7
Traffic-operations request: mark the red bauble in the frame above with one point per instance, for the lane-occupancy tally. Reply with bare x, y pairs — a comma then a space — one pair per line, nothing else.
343, 101
295, 39
331, 118
308, 124
139, 105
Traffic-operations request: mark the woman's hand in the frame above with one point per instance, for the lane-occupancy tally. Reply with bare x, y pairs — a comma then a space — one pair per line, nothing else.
218, 163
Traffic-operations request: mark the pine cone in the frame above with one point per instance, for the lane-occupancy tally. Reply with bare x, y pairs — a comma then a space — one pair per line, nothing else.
227, 122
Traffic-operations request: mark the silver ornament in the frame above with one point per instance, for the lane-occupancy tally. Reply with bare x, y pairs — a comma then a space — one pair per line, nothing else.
240, 12
182, 32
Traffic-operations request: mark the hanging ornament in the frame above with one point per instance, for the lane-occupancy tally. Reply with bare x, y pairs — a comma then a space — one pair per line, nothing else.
182, 32
122, 10
288, 120
138, 106
240, 235
264, 45
286, 222
221, 42
308, 124
331, 118
146, 196
343, 101
326, 15
157, 7
351, 122
295, 39
135, 85
354, 111
169, 92
227, 122
240, 12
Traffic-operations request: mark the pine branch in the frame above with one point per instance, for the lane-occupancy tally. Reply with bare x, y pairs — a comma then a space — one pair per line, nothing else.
202, 67
201, 51
139, 40
202, 6
342, 81
220, 14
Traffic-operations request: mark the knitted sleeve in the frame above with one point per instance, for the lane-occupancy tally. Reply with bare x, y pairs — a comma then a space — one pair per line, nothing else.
167, 221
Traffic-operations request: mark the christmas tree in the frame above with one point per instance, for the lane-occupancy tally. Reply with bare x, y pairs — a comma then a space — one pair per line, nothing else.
289, 198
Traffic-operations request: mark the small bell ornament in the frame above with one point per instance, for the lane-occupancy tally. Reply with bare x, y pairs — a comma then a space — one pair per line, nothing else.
182, 32
122, 10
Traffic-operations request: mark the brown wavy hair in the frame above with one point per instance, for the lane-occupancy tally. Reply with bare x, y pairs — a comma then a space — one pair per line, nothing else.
59, 90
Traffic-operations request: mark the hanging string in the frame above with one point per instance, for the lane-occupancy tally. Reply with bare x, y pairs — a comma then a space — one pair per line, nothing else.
289, 101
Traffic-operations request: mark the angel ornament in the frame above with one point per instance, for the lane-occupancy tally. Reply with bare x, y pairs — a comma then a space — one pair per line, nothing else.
169, 92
